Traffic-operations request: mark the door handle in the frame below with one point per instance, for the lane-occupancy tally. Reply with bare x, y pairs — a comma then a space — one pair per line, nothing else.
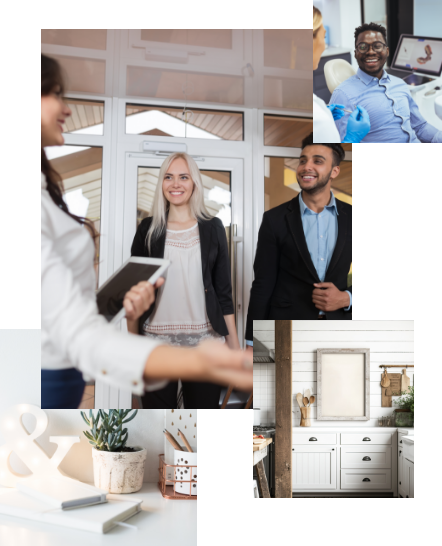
366, 439
234, 240
366, 459
366, 480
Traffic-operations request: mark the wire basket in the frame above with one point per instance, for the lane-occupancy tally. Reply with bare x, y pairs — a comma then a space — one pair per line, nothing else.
167, 485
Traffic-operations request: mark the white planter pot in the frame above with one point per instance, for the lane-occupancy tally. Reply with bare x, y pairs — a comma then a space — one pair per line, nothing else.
119, 472
184, 472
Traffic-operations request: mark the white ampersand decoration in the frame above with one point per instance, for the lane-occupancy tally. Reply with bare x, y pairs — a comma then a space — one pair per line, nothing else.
22, 443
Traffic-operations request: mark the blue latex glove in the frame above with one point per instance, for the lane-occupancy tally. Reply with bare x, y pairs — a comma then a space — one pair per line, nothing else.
336, 111
358, 125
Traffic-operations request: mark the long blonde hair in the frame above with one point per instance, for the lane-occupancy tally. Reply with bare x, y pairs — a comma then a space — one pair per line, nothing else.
317, 21
161, 205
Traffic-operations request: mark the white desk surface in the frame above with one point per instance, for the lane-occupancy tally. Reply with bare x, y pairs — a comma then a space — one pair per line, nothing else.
173, 522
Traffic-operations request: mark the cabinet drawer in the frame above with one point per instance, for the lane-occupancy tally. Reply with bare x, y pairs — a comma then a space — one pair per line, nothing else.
367, 438
312, 439
365, 480
366, 457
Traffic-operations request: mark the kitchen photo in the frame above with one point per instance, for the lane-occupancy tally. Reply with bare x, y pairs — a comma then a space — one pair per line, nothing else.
333, 409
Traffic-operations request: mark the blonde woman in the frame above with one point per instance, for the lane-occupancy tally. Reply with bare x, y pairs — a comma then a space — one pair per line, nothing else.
324, 128
195, 303
76, 341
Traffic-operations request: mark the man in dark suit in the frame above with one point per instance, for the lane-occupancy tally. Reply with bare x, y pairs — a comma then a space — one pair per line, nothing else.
304, 249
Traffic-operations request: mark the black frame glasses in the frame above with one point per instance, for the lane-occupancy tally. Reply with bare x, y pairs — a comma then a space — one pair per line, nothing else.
371, 46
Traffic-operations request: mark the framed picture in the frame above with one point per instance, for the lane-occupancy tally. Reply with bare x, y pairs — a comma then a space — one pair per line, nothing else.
343, 384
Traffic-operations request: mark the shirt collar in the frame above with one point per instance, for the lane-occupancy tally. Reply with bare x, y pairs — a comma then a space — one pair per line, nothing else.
366, 78
304, 208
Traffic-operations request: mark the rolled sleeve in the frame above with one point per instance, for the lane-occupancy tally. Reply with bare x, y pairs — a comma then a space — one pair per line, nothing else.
424, 131
71, 323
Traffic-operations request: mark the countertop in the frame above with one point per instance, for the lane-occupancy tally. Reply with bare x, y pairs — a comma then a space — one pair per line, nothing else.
332, 429
173, 522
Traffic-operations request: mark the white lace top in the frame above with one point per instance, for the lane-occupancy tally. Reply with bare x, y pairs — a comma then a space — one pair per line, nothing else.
179, 316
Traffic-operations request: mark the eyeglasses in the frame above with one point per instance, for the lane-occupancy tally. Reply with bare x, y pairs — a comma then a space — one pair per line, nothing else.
376, 46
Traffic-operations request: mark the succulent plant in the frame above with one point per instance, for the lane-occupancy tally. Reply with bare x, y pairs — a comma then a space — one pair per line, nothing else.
109, 434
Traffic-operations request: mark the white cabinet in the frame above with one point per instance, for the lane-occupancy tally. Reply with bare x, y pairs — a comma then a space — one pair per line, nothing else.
400, 466
408, 479
344, 459
313, 467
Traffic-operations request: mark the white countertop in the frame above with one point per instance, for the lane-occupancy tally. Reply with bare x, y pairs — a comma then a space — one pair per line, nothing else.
408, 431
305, 430
335, 51
173, 522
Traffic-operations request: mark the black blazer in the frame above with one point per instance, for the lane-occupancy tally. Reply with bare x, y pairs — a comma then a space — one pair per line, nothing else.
215, 268
284, 271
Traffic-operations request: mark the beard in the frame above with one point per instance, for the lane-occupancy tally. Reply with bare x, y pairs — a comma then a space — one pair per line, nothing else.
318, 187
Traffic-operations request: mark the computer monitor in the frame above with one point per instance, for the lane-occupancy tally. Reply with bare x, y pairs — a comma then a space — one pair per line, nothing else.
420, 54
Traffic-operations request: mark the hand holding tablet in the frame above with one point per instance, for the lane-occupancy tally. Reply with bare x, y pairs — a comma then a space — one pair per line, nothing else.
139, 298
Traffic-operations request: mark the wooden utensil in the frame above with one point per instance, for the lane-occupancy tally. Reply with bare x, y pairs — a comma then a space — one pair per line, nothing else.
385, 381
307, 393
312, 399
186, 443
305, 400
172, 440
405, 381
394, 387
299, 399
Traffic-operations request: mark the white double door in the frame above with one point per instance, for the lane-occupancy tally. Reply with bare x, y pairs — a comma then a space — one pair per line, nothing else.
223, 181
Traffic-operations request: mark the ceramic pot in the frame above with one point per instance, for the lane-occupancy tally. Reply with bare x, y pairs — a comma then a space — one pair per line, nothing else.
184, 472
119, 472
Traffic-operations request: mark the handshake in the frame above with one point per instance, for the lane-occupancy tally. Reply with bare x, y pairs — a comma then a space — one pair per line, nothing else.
358, 124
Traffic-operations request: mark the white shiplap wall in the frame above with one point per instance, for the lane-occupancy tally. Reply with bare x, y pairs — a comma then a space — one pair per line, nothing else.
390, 342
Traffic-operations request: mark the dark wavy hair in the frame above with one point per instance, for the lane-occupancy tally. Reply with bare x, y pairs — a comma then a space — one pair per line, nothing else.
51, 79
371, 26
337, 149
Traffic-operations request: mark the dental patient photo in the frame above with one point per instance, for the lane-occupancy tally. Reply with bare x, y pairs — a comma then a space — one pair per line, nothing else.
383, 84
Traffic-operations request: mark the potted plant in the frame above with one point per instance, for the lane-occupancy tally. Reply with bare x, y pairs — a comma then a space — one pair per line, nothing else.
405, 411
118, 468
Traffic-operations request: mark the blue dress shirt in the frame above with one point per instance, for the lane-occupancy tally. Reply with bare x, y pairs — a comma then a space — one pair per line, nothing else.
321, 234
394, 116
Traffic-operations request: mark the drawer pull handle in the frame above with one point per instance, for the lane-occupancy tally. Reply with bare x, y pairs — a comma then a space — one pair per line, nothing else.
366, 459
366, 439
366, 480
400, 442
400, 452
400, 483
312, 439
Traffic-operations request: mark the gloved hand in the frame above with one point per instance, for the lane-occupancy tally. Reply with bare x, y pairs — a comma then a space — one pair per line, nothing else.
335, 110
358, 125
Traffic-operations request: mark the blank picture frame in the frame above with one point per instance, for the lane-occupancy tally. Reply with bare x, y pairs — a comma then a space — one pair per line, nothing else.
343, 387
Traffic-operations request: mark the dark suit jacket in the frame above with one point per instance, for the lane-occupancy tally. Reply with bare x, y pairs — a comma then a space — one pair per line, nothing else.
284, 271
215, 268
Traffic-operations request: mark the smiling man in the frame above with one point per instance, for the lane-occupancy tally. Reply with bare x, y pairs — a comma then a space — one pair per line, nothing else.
394, 116
304, 248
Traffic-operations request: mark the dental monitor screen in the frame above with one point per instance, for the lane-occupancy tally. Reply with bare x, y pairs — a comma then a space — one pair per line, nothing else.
419, 54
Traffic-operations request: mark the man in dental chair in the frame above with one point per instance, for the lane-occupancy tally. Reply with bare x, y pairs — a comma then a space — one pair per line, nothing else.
394, 116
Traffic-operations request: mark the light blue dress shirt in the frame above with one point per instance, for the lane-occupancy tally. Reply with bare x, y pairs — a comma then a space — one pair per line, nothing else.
394, 116
321, 234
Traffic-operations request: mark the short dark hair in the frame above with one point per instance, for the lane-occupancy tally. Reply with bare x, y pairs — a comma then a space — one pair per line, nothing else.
370, 26
337, 149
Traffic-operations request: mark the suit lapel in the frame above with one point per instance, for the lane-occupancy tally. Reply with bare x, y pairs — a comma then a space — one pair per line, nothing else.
157, 247
205, 229
294, 221
342, 237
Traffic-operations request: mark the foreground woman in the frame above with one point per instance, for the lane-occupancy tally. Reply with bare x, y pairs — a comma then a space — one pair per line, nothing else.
76, 340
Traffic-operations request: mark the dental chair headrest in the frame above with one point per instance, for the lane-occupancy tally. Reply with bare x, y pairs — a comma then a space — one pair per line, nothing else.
337, 71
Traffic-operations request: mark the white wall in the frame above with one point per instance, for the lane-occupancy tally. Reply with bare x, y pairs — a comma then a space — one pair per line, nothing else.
145, 430
342, 17
390, 342
19, 367
427, 13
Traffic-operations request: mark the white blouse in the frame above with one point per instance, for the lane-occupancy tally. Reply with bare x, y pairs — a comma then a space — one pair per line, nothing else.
179, 316
73, 333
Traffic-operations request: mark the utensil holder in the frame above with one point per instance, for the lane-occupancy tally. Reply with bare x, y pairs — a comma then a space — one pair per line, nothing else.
168, 485
305, 417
